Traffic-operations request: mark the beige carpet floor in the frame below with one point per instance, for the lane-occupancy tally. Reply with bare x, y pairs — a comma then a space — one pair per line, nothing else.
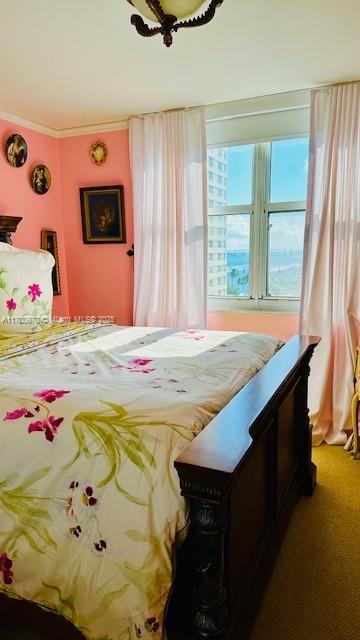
314, 590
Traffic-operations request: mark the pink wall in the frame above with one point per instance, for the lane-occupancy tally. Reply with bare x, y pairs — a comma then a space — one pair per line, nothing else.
280, 325
38, 211
100, 275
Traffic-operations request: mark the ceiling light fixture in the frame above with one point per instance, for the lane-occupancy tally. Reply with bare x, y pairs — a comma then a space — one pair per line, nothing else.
167, 13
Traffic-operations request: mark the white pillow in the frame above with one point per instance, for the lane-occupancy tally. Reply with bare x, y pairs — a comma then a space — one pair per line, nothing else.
26, 291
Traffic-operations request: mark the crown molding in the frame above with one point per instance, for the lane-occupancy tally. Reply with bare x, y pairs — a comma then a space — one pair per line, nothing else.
232, 110
66, 132
118, 125
29, 124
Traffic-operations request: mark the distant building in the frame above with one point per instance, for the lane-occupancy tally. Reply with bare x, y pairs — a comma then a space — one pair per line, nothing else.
217, 196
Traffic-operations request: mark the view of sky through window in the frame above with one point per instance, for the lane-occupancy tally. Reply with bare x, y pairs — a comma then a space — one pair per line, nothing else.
240, 170
289, 170
230, 183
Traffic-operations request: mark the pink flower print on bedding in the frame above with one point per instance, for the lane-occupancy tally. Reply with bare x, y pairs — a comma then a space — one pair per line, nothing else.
6, 568
50, 395
17, 413
11, 304
34, 291
49, 426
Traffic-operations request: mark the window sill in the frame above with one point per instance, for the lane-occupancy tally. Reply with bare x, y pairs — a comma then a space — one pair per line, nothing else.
247, 305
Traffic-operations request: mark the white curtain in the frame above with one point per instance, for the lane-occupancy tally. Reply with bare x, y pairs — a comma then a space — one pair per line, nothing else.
331, 278
168, 161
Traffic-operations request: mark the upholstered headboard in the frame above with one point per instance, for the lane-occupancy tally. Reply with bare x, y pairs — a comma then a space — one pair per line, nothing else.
8, 224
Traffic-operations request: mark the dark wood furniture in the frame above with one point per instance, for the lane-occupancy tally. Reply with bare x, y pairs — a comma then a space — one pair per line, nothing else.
242, 476
8, 225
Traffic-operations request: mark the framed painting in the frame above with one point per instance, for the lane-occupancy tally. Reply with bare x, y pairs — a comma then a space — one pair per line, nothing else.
41, 179
49, 243
102, 214
16, 150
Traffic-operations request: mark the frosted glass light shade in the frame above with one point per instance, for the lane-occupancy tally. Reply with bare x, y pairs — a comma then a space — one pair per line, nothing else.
179, 8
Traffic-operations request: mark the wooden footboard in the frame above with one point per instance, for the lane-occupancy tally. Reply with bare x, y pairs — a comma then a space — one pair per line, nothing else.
242, 476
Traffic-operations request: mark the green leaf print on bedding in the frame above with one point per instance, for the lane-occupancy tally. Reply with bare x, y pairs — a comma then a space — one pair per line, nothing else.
64, 602
22, 507
2, 281
118, 435
153, 576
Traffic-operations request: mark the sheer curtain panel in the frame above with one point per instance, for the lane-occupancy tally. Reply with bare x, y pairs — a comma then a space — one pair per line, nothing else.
168, 161
331, 278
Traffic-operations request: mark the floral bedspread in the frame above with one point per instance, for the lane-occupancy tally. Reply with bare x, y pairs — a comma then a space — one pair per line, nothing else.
91, 420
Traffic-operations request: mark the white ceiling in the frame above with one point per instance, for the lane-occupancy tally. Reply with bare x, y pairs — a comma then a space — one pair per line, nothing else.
67, 63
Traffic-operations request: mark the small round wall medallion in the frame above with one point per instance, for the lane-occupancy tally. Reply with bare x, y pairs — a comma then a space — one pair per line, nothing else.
98, 153
41, 179
16, 150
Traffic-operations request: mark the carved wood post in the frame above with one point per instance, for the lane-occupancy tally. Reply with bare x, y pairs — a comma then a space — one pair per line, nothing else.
208, 606
307, 469
205, 608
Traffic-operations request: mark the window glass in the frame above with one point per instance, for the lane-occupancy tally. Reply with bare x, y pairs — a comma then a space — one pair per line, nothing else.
289, 170
285, 253
230, 183
231, 234
232, 171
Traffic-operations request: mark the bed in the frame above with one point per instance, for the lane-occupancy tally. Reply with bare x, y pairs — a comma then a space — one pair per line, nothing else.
82, 532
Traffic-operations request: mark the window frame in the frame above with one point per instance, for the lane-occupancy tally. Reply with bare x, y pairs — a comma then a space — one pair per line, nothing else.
259, 209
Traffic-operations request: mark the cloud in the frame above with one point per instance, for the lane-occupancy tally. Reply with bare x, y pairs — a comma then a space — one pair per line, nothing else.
286, 234
238, 232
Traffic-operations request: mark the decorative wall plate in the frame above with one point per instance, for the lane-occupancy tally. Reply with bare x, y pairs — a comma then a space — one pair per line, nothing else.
16, 150
98, 153
41, 179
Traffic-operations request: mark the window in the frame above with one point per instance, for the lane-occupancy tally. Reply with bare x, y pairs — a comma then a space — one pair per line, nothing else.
256, 223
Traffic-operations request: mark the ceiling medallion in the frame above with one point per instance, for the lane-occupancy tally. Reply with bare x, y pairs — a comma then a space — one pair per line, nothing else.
170, 15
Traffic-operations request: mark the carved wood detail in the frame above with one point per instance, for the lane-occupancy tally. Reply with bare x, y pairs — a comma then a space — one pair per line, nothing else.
8, 224
168, 22
205, 605
208, 610
204, 18
307, 469
156, 8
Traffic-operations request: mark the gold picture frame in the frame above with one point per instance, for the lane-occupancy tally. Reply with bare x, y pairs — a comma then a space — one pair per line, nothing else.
98, 153
102, 214
49, 243
41, 179
16, 150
